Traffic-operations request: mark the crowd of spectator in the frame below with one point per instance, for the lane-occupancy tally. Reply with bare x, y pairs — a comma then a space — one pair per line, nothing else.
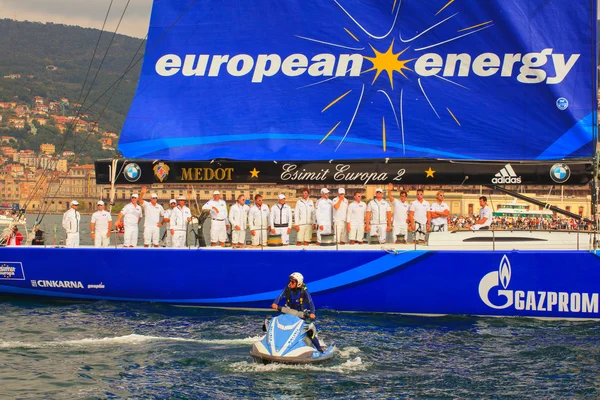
522, 223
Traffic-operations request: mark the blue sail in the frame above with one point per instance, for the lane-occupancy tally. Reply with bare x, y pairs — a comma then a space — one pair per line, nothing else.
350, 79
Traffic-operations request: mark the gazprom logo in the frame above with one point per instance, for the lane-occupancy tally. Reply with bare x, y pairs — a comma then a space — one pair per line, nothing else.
529, 68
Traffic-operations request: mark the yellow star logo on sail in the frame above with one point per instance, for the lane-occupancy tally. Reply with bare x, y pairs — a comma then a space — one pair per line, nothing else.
388, 62
254, 173
429, 173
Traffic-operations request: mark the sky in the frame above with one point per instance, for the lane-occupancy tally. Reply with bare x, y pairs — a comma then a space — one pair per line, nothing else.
86, 13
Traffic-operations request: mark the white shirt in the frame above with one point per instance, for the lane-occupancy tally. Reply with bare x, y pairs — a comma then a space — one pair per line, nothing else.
71, 221
378, 211
356, 213
131, 214
485, 212
281, 215
238, 215
340, 215
437, 207
258, 218
179, 218
152, 213
100, 220
219, 205
400, 212
304, 212
167, 215
420, 210
323, 212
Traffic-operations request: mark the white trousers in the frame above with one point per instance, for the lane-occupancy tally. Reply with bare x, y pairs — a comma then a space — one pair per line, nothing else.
400, 229
357, 232
285, 237
168, 237
218, 231
260, 237
420, 230
341, 233
325, 231
151, 235
305, 234
379, 230
130, 238
179, 239
238, 237
101, 240
72, 240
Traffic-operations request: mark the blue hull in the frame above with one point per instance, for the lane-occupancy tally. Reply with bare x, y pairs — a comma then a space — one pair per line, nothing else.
550, 284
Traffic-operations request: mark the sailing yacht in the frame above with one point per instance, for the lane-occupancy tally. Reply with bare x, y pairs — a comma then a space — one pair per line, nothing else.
336, 92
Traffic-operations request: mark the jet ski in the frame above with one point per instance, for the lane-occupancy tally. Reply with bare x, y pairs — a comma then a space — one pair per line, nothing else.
290, 339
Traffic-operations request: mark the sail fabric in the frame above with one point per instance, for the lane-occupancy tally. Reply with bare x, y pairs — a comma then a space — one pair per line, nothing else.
351, 79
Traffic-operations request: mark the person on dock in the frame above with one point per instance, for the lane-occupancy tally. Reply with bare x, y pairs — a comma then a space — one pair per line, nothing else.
153, 218
356, 219
219, 222
281, 219
100, 226
399, 214
258, 221
485, 216
304, 218
131, 215
238, 217
70, 222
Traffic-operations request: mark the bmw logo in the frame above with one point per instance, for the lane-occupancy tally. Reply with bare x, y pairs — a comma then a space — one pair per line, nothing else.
132, 172
562, 103
560, 173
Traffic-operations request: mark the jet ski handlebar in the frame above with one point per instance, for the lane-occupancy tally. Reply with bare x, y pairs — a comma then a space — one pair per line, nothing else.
300, 314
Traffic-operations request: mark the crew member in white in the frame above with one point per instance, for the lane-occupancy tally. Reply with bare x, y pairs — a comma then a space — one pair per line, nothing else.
356, 219
304, 215
323, 215
419, 217
179, 219
400, 214
132, 215
166, 219
340, 215
238, 215
153, 218
258, 221
379, 216
438, 213
218, 216
281, 220
100, 226
70, 222
485, 216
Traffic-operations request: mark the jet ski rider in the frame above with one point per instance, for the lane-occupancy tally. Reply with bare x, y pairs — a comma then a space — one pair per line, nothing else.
296, 295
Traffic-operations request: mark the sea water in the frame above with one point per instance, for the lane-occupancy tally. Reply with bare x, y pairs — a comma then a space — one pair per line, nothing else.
132, 350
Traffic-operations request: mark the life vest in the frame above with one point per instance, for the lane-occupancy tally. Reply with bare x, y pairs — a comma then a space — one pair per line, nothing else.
295, 298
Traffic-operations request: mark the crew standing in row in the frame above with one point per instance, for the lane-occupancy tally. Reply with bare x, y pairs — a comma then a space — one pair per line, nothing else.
400, 217
281, 220
357, 211
100, 226
179, 219
340, 216
153, 218
71, 220
238, 215
379, 216
258, 221
219, 222
324, 215
304, 215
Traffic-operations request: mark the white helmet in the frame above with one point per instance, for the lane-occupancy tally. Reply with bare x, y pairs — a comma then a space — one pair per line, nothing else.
297, 276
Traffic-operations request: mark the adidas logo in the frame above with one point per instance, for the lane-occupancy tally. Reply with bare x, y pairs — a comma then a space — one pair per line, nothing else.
506, 176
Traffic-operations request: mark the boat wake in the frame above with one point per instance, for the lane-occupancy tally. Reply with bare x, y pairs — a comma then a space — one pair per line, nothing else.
348, 366
127, 339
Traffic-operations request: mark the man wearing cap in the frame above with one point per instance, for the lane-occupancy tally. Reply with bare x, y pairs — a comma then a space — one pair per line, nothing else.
219, 222
281, 220
153, 215
356, 219
238, 216
400, 214
179, 219
258, 221
166, 219
340, 214
304, 215
100, 226
132, 215
323, 215
70, 222
379, 216
420, 217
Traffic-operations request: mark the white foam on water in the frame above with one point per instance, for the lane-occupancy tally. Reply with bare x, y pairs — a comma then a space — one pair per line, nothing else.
349, 366
127, 339
347, 352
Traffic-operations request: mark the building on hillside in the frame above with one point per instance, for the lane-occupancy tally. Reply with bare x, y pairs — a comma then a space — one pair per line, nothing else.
16, 170
41, 121
47, 148
17, 123
68, 153
62, 165
12, 76
106, 141
64, 100
27, 158
38, 99
7, 139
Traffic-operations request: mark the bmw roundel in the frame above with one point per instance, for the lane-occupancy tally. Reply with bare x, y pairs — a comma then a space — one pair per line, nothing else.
560, 173
562, 103
132, 172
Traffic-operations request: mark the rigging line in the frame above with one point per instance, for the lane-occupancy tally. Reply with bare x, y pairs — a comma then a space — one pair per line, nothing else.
452, 82
402, 121
354, 116
329, 43
425, 94
453, 39
363, 29
425, 31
